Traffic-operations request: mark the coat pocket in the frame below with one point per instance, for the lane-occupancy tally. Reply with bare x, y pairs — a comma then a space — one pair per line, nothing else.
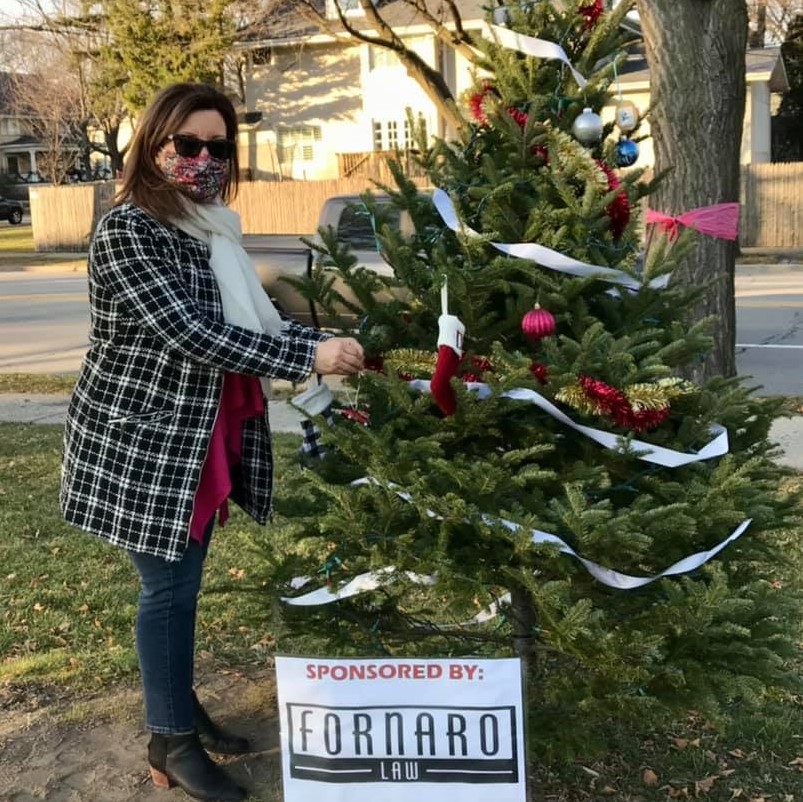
152, 416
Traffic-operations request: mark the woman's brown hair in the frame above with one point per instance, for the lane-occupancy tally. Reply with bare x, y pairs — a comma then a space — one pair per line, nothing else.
144, 184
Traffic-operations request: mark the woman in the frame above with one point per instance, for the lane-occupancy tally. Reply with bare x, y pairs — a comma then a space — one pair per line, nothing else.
168, 419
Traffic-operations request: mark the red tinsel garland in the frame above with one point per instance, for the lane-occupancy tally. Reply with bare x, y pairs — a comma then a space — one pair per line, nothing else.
619, 210
475, 104
518, 115
476, 100
614, 404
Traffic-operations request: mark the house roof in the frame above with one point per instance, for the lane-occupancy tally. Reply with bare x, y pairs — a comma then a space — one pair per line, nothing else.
286, 25
24, 142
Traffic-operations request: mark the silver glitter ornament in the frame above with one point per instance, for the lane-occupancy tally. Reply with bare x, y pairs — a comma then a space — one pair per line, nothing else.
587, 128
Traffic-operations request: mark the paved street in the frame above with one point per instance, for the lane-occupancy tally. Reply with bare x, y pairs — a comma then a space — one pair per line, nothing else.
44, 319
770, 327
43, 322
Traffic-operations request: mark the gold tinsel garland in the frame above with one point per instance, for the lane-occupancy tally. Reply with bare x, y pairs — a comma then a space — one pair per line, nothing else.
411, 360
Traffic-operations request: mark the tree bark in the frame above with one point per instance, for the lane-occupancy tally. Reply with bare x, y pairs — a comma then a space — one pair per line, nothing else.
523, 621
696, 53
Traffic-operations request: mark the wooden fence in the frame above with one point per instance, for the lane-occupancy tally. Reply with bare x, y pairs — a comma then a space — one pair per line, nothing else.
291, 207
772, 205
64, 217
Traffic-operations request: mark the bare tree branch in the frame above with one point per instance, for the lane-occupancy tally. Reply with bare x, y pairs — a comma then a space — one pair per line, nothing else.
429, 79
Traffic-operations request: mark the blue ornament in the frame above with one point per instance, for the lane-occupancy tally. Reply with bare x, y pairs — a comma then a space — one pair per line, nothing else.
626, 152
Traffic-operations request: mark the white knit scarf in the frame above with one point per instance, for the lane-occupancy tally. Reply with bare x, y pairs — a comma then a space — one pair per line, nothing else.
244, 301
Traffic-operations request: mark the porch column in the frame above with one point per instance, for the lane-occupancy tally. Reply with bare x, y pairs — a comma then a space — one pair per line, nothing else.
32, 159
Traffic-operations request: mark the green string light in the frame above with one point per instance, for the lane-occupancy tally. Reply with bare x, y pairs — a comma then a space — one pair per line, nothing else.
330, 565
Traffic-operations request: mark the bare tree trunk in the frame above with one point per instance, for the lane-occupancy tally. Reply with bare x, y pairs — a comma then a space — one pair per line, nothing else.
523, 623
696, 52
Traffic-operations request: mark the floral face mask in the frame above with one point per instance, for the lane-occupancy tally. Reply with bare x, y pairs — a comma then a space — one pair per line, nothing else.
201, 177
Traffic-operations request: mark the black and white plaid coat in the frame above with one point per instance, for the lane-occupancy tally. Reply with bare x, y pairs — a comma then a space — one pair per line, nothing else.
144, 406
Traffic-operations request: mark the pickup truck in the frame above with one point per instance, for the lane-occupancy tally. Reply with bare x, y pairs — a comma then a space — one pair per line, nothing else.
276, 256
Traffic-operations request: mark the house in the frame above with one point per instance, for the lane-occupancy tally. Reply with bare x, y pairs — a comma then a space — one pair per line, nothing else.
325, 104
766, 79
318, 106
18, 147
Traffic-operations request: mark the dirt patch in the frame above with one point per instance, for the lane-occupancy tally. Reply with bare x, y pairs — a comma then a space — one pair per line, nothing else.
93, 749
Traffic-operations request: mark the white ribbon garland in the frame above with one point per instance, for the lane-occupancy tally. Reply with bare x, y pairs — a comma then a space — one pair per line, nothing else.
540, 253
530, 46
372, 580
658, 455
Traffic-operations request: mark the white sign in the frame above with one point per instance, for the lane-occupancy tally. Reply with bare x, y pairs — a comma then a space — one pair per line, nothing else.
420, 729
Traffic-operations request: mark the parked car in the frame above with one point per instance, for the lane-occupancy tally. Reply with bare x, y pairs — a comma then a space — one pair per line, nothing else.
279, 256
11, 210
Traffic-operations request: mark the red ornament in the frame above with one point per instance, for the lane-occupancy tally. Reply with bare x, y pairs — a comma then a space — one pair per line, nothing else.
538, 323
619, 210
592, 12
539, 370
357, 415
479, 364
541, 151
376, 364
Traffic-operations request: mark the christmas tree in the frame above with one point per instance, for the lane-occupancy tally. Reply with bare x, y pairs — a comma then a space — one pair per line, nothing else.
525, 424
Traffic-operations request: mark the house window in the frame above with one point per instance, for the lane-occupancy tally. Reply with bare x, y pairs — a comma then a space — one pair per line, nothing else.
350, 8
422, 127
381, 57
386, 133
411, 132
262, 56
13, 165
298, 143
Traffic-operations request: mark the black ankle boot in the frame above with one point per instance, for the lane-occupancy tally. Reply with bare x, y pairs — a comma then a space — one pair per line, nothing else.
213, 738
181, 760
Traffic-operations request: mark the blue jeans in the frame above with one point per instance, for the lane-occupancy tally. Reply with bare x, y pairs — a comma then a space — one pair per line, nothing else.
168, 600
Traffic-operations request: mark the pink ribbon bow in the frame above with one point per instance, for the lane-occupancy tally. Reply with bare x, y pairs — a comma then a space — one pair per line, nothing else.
720, 220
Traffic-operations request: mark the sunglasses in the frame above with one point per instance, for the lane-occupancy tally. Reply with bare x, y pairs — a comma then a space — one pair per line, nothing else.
190, 146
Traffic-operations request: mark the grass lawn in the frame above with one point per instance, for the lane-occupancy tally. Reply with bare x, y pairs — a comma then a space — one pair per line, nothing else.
16, 238
67, 606
68, 599
17, 251
36, 383
64, 383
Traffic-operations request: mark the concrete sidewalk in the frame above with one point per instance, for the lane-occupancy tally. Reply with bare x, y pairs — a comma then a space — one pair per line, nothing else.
41, 408
49, 408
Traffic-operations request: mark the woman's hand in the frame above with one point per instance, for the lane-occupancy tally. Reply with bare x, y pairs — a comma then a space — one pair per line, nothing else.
341, 356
